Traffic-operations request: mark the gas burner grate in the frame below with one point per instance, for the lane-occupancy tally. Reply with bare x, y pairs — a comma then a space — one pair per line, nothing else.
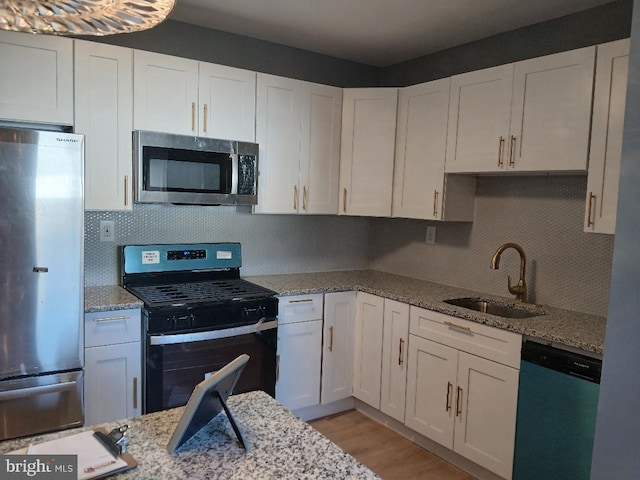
208, 291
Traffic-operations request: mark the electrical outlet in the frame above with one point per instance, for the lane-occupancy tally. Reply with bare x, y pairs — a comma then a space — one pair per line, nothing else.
107, 231
431, 235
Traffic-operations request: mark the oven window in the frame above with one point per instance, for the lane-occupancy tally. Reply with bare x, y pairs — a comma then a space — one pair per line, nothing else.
175, 170
172, 371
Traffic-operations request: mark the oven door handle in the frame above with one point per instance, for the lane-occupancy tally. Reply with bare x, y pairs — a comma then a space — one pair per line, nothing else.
212, 334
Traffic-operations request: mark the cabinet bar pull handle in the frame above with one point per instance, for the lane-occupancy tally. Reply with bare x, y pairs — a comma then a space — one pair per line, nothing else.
193, 116
459, 402
500, 148
204, 127
110, 319
400, 352
344, 200
135, 392
459, 327
591, 199
331, 338
277, 368
447, 405
295, 197
126, 190
304, 197
304, 300
512, 144
435, 203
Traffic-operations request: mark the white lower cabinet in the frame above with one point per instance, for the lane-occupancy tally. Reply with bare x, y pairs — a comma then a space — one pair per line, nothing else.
380, 358
367, 361
395, 342
337, 350
113, 366
459, 399
299, 350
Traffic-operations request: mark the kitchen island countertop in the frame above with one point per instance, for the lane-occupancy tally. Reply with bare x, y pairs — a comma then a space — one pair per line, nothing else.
281, 446
566, 328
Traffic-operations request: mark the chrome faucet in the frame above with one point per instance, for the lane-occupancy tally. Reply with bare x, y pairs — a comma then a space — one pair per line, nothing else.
520, 290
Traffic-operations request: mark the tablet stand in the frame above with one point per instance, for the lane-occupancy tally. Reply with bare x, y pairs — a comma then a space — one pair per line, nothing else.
232, 421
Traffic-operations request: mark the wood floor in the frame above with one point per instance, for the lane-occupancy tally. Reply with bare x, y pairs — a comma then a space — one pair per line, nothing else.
387, 453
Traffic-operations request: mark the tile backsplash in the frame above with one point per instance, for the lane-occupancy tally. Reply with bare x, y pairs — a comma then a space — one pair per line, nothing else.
566, 267
270, 243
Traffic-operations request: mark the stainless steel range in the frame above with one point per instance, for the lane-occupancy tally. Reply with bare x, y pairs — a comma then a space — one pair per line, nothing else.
199, 315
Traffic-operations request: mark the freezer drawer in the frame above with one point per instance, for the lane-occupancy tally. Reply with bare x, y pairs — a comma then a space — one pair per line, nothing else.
40, 404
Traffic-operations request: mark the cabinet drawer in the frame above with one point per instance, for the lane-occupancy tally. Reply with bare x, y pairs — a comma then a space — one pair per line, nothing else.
481, 340
107, 328
300, 308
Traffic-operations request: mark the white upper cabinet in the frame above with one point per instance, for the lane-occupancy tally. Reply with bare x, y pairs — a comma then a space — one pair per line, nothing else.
367, 151
320, 149
550, 112
227, 102
421, 140
104, 115
529, 116
278, 113
36, 84
165, 93
187, 97
606, 137
479, 110
298, 130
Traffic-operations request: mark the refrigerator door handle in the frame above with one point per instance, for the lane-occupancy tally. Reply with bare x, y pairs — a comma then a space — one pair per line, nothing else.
38, 390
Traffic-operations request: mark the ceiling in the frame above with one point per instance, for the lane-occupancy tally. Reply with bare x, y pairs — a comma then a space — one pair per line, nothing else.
374, 32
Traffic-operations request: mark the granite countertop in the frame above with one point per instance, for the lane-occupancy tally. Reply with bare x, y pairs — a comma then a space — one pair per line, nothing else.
557, 326
281, 446
109, 298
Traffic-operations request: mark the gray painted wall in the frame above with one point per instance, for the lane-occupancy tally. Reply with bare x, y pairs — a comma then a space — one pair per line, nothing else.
198, 43
602, 24
617, 441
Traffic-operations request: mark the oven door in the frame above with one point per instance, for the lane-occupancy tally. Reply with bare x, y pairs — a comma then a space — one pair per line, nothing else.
175, 364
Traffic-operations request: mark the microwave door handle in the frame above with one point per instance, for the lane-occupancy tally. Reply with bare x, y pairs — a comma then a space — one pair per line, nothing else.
235, 160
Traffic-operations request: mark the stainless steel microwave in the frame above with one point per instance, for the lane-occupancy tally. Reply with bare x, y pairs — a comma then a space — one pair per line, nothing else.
193, 170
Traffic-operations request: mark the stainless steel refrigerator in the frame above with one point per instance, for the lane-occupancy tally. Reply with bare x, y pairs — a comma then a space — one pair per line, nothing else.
41, 281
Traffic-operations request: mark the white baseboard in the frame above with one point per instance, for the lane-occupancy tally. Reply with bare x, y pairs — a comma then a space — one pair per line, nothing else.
317, 411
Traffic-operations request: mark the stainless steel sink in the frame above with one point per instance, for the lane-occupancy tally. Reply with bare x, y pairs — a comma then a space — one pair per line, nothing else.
494, 307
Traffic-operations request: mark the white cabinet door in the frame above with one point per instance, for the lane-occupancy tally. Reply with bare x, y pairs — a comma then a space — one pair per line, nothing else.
227, 102
421, 142
551, 112
395, 343
112, 382
320, 149
606, 137
165, 93
431, 389
104, 115
299, 354
36, 84
419, 186
367, 151
367, 364
337, 356
479, 114
487, 395
278, 113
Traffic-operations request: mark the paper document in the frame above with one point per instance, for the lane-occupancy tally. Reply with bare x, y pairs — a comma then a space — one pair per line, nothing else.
93, 458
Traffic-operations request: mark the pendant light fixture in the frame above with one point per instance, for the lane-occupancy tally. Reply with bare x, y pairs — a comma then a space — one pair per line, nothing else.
82, 17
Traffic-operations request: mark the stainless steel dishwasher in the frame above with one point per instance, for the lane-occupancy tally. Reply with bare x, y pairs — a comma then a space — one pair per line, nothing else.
557, 407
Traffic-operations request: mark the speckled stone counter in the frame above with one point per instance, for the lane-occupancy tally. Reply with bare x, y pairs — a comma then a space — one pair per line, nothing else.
281, 446
562, 327
109, 298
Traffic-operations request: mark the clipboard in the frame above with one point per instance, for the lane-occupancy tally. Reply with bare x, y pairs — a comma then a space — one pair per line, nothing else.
126, 456
74, 445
